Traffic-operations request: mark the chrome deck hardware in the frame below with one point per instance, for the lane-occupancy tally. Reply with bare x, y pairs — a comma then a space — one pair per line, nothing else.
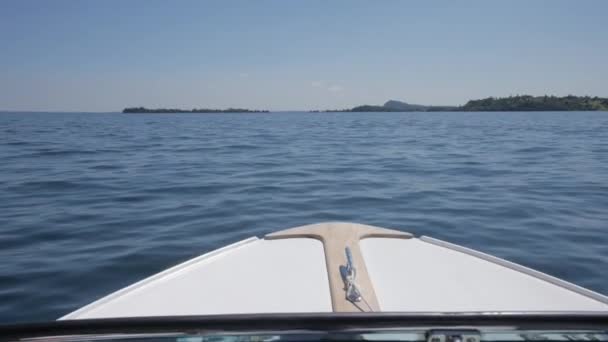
349, 275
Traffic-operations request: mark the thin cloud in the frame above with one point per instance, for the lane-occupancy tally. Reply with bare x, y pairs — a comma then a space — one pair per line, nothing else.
333, 88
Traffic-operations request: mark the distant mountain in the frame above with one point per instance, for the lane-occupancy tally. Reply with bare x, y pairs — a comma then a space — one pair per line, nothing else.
400, 106
369, 108
404, 106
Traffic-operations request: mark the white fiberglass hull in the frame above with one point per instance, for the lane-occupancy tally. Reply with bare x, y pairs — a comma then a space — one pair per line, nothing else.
304, 269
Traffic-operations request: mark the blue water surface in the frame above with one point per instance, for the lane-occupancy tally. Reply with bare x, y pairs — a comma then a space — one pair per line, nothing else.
90, 203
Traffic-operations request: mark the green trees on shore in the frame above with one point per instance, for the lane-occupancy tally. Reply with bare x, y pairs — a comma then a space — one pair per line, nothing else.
523, 103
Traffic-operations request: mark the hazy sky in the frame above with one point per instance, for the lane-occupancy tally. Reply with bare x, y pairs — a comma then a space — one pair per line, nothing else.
278, 55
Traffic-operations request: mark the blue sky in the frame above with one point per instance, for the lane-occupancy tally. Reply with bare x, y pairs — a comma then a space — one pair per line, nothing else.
280, 55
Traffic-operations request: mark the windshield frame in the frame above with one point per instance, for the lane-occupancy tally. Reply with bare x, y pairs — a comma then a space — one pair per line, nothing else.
317, 322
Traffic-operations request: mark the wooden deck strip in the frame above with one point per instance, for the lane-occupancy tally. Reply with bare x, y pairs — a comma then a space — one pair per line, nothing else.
335, 238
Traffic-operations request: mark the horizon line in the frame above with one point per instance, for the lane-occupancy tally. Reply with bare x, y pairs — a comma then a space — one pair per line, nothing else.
290, 110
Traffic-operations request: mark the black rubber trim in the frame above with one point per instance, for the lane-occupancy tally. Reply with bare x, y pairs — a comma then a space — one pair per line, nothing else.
313, 322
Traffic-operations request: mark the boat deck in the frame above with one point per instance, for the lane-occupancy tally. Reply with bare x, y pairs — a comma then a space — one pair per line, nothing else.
306, 269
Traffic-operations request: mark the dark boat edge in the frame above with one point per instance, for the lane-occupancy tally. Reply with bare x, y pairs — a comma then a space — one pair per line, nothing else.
304, 321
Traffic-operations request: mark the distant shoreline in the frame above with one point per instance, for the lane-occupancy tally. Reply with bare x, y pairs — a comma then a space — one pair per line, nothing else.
144, 110
519, 103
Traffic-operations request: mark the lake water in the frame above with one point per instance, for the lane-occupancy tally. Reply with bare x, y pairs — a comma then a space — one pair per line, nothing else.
90, 203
